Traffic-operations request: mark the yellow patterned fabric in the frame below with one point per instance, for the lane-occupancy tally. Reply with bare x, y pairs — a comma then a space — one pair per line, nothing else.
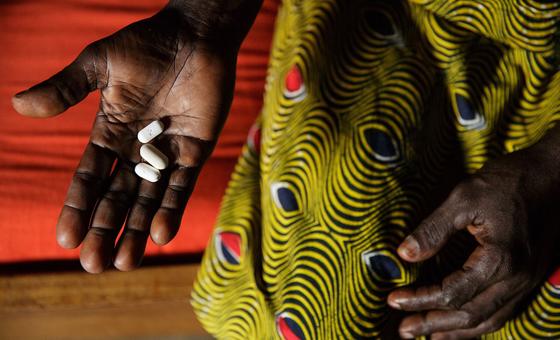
373, 111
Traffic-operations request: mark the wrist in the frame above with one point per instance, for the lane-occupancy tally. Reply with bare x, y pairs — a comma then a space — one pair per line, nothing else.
223, 21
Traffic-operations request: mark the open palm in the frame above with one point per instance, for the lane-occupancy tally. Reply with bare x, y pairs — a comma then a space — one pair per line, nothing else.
153, 69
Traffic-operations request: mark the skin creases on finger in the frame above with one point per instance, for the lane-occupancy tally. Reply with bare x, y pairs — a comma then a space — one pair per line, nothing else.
108, 218
192, 152
481, 270
471, 315
436, 230
415, 299
495, 322
168, 217
95, 255
425, 323
132, 243
85, 188
116, 136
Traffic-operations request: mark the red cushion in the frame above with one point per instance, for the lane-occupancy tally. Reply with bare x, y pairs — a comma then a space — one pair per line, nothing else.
38, 157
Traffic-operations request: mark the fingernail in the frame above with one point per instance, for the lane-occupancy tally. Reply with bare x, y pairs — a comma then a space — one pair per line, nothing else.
409, 248
395, 303
407, 335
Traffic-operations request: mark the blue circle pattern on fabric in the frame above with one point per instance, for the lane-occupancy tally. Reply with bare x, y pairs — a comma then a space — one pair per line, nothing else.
465, 108
382, 267
382, 145
287, 199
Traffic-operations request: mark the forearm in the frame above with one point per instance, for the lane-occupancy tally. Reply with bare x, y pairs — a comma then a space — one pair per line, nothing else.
218, 19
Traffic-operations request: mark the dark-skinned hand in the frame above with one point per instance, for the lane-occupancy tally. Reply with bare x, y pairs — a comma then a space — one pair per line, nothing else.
166, 67
499, 206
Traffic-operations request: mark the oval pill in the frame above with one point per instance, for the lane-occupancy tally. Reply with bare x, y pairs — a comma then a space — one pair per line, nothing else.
147, 172
153, 156
150, 131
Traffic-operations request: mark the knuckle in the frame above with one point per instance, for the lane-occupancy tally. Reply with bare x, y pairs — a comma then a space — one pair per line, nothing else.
89, 54
458, 194
66, 94
471, 319
118, 196
89, 60
446, 298
451, 300
193, 152
449, 294
146, 201
138, 232
87, 177
179, 188
102, 230
430, 234
464, 192
467, 193
196, 157
478, 181
454, 303
182, 179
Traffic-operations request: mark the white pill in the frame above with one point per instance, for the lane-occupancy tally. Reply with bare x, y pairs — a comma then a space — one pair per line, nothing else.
147, 172
153, 156
150, 132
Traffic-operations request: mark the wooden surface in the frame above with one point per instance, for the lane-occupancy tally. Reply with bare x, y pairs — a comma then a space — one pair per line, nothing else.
149, 303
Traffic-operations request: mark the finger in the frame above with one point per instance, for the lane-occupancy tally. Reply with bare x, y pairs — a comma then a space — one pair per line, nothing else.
192, 153
64, 89
86, 187
167, 220
471, 315
132, 242
485, 266
434, 232
492, 324
109, 216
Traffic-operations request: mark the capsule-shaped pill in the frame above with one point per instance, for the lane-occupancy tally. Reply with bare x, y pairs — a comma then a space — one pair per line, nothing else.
153, 156
150, 132
147, 172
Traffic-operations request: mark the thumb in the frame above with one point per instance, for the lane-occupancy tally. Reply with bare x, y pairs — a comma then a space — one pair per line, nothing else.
61, 91
433, 233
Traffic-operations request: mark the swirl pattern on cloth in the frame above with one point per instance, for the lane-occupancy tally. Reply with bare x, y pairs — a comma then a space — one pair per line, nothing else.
373, 111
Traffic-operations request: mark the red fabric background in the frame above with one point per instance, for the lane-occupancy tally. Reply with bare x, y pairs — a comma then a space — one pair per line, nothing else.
37, 157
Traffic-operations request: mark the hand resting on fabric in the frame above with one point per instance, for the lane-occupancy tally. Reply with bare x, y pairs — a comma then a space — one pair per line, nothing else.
506, 207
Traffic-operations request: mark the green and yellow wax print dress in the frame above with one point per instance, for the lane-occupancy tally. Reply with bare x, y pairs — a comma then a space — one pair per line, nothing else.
373, 111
